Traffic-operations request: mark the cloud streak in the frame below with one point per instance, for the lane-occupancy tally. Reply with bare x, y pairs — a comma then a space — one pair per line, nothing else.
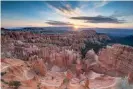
121, 14
51, 22
98, 19
98, 4
63, 8
60, 6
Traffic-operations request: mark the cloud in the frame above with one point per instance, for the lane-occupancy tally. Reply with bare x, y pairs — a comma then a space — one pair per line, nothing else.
22, 23
60, 6
98, 19
122, 14
98, 4
51, 22
63, 8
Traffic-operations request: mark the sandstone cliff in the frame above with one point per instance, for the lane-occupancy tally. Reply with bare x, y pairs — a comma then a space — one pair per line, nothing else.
115, 61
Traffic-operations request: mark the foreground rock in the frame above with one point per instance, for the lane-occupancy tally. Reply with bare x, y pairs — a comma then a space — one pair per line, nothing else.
116, 61
25, 73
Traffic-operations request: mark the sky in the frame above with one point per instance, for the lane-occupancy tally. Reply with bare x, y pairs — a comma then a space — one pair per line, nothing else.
77, 14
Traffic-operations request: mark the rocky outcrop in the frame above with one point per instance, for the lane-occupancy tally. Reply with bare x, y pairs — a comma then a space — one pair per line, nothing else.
39, 67
34, 74
16, 70
91, 57
44, 57
23, 44
116, 60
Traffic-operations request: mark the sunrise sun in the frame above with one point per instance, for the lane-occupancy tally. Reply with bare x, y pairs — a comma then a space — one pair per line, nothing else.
76, 27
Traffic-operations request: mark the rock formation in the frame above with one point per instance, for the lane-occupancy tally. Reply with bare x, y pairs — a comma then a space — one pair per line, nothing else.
39, 67
115, 61
46, 61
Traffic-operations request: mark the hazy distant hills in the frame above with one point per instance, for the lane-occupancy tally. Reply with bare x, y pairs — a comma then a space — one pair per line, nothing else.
43, 30
122, 36
128, 40
109, 31
115, 32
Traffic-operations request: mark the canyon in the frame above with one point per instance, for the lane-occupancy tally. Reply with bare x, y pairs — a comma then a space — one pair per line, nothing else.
72, 60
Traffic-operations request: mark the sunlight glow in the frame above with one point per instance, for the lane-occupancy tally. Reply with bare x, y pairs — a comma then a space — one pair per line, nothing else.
76, 27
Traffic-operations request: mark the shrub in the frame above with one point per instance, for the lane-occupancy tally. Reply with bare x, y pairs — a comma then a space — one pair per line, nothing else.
3, 73
91, 45
2, 80
15, 84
